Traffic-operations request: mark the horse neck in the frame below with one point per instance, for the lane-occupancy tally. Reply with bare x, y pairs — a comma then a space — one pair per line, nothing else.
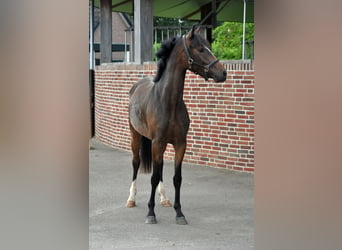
172, 82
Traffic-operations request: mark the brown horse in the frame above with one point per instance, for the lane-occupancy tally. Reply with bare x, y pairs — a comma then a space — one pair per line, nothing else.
158, 115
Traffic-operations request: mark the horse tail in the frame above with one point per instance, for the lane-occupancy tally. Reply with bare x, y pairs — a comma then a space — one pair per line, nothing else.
146, 155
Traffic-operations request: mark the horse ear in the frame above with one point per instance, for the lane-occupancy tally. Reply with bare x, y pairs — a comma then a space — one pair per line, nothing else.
190, 35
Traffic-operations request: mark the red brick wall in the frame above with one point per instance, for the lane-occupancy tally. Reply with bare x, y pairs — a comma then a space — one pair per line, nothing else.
222, 114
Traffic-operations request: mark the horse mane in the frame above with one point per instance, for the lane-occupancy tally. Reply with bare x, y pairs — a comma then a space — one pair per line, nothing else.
163, 54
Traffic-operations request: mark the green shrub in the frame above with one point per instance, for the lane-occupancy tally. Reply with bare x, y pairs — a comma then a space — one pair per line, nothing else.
227, 43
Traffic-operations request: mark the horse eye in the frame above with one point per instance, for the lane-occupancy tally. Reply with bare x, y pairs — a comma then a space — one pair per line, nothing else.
201, 50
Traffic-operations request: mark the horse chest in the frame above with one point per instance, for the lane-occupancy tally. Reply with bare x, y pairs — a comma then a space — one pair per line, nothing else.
178, 127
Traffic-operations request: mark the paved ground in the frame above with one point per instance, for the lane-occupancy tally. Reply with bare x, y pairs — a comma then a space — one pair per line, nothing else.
218, 205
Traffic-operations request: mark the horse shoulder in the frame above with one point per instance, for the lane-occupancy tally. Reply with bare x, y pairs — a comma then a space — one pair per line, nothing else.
143, 85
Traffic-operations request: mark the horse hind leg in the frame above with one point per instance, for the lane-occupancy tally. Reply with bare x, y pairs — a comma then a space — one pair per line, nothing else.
164, 201
132, 192
135, 144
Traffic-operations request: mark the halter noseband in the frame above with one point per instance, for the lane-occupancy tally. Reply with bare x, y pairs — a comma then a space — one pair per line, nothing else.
191, 61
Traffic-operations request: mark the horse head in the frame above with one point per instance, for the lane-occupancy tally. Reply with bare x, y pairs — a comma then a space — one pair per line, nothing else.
200, 59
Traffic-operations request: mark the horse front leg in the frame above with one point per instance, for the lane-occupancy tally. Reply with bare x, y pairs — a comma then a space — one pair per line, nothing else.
177, 181
157, 161
164, 201
151, 216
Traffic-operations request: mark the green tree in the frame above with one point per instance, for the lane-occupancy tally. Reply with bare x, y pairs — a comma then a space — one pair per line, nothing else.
227, 43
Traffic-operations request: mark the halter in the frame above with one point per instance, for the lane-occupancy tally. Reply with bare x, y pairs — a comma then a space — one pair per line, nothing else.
191, 61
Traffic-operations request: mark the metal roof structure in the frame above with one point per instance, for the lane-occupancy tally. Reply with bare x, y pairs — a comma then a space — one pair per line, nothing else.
227, 10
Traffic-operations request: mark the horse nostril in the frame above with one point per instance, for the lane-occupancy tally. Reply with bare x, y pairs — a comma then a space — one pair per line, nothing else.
224, 72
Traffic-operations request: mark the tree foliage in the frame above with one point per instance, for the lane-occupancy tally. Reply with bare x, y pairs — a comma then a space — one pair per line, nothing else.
227, 43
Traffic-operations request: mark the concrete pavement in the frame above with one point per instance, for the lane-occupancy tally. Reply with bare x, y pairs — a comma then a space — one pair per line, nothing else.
218, 205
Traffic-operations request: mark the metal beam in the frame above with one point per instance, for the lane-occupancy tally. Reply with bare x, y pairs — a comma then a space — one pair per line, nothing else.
243, 30
206, 13
106, 31
213, 16
143, 31
91, 35
91, 68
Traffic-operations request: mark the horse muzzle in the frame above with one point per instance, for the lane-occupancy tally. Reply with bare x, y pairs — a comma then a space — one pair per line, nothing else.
219, 77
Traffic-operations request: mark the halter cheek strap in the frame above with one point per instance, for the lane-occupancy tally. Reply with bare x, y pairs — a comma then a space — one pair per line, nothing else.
191, 61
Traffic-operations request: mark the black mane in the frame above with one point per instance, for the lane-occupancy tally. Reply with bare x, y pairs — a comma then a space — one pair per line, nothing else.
163, 55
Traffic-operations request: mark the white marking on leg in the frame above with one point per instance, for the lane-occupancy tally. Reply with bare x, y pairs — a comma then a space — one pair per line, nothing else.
161, 192
132, 191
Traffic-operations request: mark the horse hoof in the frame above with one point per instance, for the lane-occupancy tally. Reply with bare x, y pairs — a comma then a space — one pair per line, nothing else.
181, 221
151, 220
130, 203
166, 203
